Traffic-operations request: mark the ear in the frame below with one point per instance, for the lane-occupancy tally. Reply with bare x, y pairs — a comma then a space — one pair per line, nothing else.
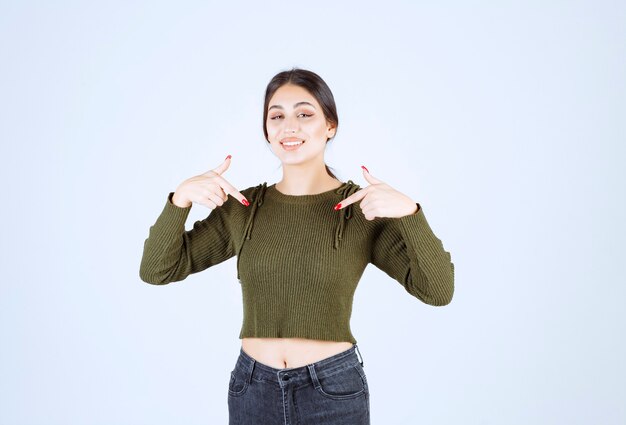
331, 131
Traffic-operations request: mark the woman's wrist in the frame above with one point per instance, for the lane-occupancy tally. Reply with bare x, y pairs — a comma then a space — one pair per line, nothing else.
180, 201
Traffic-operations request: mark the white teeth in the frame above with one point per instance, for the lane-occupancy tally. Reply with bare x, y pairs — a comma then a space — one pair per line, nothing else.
292, 143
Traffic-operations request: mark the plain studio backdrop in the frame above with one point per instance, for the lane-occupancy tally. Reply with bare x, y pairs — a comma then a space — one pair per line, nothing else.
505, 120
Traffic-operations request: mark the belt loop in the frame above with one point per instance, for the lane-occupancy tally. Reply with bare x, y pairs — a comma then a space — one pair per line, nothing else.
314, 378
357, 349
252, 364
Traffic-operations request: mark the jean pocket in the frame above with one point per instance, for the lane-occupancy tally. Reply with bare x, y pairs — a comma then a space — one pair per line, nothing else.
239, 383
348, 383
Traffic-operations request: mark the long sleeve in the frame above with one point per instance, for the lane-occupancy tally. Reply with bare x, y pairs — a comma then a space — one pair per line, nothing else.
171, 254
408, 251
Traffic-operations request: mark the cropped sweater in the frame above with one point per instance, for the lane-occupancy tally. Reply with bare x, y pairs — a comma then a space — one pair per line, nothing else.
298, 260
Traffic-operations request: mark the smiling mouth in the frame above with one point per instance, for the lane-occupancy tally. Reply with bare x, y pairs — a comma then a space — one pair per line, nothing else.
290, 146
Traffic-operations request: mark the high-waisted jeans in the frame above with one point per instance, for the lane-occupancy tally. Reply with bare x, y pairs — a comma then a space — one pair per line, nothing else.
331, 391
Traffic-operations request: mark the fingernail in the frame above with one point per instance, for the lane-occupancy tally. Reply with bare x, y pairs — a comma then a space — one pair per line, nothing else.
337, 206
245, 202
363, 167
228, 157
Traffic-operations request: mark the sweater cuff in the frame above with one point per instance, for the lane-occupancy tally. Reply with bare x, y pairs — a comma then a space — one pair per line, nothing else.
172, 215
417, 232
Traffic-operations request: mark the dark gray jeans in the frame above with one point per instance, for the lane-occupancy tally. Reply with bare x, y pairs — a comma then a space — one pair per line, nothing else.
331, 391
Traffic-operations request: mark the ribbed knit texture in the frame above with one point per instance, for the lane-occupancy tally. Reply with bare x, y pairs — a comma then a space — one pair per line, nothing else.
298, 260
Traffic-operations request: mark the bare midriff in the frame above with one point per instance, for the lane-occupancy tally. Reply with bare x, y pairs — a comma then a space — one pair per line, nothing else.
283, 353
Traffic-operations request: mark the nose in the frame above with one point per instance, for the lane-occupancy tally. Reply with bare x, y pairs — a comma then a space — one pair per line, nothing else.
291, 125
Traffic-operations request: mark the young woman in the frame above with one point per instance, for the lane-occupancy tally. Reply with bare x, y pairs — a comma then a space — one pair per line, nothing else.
302, 245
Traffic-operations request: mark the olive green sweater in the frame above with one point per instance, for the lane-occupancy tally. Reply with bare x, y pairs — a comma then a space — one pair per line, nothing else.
298, 260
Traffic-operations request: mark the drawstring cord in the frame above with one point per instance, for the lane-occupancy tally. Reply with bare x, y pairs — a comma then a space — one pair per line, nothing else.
345, 190
256, 203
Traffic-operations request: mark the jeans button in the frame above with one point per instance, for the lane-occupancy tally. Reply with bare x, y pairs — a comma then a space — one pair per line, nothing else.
286, 377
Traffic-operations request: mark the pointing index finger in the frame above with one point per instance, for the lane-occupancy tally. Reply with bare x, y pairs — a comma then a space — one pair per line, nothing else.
229, 189
356, 196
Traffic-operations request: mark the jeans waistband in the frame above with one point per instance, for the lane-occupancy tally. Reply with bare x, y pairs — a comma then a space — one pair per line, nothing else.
322, 368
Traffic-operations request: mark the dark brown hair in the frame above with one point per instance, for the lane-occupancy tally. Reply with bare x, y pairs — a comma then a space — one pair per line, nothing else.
312, 83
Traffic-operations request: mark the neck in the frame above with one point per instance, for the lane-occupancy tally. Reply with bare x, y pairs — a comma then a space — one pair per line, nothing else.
306, 179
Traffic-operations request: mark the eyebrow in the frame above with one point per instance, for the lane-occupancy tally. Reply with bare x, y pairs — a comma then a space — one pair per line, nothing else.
294, 106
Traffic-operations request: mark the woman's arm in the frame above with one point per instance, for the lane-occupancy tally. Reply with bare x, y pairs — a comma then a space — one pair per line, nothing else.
171, 254
407, 250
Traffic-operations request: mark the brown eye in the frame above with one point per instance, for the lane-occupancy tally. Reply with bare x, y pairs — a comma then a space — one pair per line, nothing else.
280, 116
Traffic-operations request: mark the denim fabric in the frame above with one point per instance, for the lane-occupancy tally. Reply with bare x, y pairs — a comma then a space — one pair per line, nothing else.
333, 391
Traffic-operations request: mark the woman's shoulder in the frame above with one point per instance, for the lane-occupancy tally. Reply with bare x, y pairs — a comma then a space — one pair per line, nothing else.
255, 194
253, 190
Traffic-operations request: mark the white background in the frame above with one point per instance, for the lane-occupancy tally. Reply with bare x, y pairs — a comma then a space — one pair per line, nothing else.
505, 120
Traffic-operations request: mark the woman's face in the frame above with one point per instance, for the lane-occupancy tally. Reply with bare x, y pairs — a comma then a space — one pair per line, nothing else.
294, 115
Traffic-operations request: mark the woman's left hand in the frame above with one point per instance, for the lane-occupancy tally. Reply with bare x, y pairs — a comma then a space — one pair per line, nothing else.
380, 200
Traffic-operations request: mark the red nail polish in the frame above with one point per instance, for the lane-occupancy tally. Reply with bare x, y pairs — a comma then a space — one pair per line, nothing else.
245, 202
228, 157
363, 167
337, 206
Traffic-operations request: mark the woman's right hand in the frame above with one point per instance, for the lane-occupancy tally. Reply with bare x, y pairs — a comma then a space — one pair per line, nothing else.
209, 189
